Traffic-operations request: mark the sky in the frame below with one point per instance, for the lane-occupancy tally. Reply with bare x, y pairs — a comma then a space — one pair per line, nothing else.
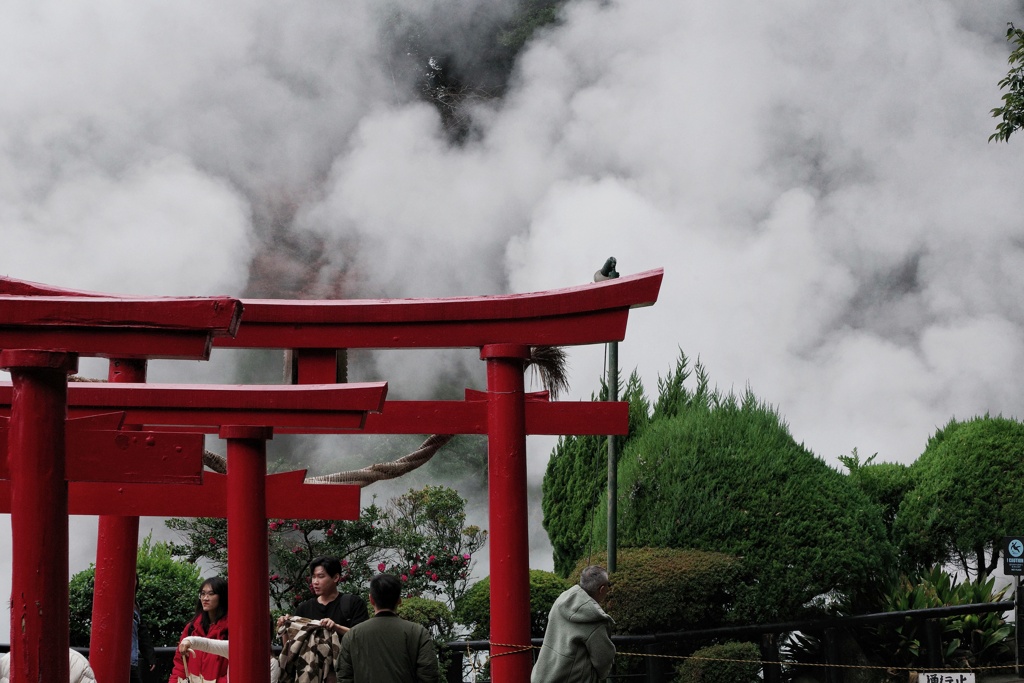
814, 177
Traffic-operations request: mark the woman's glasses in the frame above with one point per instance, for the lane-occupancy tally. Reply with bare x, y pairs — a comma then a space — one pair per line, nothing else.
206, 594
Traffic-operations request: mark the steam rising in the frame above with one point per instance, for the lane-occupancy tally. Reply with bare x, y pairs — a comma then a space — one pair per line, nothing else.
813, 176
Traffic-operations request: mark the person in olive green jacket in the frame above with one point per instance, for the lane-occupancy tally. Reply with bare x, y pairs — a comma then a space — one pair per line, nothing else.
577, 641
387, 648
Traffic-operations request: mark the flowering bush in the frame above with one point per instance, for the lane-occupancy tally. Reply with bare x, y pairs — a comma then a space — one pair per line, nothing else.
420, 536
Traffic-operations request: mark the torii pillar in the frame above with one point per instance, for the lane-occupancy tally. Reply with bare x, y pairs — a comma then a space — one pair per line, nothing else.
39, 507
511, 660
117, 542
248, 548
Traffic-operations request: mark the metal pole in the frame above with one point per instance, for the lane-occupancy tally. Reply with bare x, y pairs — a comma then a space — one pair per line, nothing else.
613, 461
1018, 611
608, 272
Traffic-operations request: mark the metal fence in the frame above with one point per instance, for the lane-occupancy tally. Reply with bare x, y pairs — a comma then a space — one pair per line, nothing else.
661, 652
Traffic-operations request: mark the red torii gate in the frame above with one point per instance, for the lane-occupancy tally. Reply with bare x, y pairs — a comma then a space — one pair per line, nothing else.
503, 327
41, 339
38, 494
246, 417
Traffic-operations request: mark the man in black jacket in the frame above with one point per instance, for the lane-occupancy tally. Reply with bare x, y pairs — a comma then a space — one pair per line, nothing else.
336, 611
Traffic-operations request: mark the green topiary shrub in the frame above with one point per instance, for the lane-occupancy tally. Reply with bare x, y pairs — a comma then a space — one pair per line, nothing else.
474, 608
664, 589
168, 592
432, 614
725, 663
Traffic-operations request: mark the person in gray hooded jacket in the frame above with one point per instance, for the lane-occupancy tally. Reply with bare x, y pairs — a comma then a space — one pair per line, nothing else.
578, 640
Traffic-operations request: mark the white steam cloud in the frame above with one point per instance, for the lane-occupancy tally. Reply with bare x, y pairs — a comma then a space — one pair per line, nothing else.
813, 176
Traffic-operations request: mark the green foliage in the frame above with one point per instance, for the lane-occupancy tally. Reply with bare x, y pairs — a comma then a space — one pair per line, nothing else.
885, 483
968, 640
80, 592
576, 477
432, 614
420, 536
725, 663
167, 595
665, 589
474, 608
1012, 111
968, 493
430, 545
722, 474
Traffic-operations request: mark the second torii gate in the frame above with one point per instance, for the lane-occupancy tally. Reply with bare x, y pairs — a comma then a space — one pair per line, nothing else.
245, 417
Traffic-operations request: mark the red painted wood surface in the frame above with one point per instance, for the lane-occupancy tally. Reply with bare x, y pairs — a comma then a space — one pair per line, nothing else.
287, 498
587, 314
125, 456
418, 417
117, 540
206, 408
115, 327
511, 657
248, 618
39, 516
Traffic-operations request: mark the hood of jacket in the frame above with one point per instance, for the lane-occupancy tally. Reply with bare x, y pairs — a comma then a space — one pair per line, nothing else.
577, 607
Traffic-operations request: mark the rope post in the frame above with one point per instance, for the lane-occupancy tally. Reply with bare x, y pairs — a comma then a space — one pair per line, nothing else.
770, 658
832, 656
933, 635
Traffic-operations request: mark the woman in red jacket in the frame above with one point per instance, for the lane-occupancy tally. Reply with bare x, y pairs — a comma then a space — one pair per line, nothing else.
211, 621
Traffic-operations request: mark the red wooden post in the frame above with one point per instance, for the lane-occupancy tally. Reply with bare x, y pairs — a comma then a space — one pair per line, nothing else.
39, 514
116, 557
249, 612
511, 658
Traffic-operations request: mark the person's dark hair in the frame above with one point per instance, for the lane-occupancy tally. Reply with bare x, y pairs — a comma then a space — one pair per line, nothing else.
331, 565
592, 578
386, 591
219, 586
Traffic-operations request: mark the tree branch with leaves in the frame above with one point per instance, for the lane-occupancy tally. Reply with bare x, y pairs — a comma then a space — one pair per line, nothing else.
1012, 111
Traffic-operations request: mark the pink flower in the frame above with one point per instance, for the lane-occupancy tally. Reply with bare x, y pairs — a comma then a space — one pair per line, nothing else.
455, 558
330, 532
430, 560
404, 577
297, 550
213, 541
273, 526
412, 569
344, 563
466, 556
433, 577
274, 577
295, 525
381, 567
